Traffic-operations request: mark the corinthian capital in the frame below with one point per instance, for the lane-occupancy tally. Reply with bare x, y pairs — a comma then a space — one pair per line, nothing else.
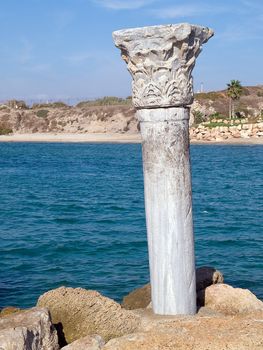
160, 60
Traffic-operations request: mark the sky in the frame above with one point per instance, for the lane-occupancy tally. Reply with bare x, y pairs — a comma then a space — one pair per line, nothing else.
63, 49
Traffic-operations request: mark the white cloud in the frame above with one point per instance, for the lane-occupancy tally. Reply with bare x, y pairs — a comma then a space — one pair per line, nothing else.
124, 4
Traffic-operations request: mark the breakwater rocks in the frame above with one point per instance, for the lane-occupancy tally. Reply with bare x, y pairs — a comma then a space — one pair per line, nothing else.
83, 312
224, 130
228, 318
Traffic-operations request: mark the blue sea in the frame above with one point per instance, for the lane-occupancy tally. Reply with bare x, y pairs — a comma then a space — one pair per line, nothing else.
73, 215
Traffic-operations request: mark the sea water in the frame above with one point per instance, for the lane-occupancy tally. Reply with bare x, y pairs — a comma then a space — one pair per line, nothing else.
73, 215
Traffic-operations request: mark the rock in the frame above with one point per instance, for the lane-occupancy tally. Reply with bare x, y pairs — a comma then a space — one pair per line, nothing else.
90, 342
28, 330
205, 311
194, 333
236, 135
9, 310
231, 301
141, 297
83, 312
205, 276
138, 298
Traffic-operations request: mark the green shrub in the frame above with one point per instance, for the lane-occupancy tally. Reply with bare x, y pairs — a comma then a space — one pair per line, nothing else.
212, 95
106, 101
198, 117
4, 108
50, 105
217, 116
17, 104
260, 93
42, 113
212, 125
5, 131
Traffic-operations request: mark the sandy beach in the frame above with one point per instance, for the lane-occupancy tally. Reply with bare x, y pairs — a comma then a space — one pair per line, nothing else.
107, 138
72, 137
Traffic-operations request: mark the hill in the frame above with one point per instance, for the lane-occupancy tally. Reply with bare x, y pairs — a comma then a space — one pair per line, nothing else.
116, 115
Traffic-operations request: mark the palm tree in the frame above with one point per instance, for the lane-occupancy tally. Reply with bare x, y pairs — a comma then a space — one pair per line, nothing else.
234, 91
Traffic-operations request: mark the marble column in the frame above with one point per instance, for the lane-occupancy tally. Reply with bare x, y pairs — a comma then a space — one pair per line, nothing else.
160, 60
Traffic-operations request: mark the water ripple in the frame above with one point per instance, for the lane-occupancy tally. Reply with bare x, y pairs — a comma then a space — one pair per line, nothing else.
73, 214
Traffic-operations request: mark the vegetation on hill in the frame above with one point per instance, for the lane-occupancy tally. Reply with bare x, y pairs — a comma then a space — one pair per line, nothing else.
248, 104
234, 92
114, 114
106, 101
5, 131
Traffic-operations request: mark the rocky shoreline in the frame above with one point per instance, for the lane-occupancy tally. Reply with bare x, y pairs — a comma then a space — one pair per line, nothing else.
227, 131
114, 119
76, 319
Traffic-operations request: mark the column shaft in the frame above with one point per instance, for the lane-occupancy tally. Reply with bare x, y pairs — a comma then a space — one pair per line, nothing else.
168, 202
161, 60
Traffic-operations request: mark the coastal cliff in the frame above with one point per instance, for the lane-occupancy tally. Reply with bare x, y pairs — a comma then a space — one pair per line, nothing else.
209, 121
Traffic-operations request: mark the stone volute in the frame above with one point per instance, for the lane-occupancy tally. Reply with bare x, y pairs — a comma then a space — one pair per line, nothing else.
160, 60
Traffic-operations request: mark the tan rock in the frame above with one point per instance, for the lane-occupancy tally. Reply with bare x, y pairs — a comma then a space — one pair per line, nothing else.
141, 297
138, 298
28, 330
194, 333
244, 134
83, 312
90, 342
231, 301
9, 310
236, 135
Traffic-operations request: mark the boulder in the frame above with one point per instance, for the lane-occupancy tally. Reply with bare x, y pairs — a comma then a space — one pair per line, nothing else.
206, 276
9, 310
90, 342
30, 329
231, 301
83, 312
138, 298
141, 297
194, 333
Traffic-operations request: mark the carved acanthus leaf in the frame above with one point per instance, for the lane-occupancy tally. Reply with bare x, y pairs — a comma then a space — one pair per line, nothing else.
160, 60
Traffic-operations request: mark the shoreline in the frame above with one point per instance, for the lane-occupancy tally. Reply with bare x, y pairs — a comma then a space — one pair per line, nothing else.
111, 138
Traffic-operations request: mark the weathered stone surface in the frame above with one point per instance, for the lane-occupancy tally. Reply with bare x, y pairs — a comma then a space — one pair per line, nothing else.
28, 330
82, 312
141, 297
90, 342
138, 298
9, 310
230, 301
194, 333
168, 198
160, 60
206, 276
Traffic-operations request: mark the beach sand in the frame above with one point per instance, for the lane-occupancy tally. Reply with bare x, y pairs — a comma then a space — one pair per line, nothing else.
53, 137
106, 138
